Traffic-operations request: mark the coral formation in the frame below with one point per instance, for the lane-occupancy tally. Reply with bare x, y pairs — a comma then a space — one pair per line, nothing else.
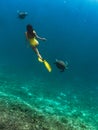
30, 105
17, 115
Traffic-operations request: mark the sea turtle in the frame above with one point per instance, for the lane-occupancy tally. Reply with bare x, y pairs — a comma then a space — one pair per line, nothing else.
61, 65
22, 14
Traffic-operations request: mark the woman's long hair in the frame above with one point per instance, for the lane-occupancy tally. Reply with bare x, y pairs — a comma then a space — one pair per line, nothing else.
30, 30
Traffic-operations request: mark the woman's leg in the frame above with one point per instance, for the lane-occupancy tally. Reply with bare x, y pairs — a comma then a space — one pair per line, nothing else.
37, 52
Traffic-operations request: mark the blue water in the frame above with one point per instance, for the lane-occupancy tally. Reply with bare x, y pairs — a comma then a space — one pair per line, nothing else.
71, 29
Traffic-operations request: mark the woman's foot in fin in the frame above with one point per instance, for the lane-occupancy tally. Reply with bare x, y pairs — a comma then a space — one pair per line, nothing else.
40, 59
43, 59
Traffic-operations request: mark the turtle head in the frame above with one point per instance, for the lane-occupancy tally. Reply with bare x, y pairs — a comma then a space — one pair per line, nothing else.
66, 63
26, 13
56, 60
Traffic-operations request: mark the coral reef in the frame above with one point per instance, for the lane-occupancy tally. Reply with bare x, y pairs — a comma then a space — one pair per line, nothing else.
34, 105
18, 115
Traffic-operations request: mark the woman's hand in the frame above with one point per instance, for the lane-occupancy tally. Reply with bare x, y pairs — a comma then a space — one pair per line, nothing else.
44, 39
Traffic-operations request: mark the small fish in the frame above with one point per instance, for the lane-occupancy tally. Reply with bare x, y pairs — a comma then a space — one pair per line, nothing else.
61, 65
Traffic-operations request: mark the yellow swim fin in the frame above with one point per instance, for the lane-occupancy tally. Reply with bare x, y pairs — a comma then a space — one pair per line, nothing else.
47, 65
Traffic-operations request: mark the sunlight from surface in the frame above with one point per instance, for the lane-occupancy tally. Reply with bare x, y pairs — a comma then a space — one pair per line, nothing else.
93, 0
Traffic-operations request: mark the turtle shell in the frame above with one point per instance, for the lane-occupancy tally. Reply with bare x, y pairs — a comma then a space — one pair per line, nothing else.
60, 64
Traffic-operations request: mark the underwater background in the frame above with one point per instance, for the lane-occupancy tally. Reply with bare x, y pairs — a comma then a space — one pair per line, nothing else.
31, 98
